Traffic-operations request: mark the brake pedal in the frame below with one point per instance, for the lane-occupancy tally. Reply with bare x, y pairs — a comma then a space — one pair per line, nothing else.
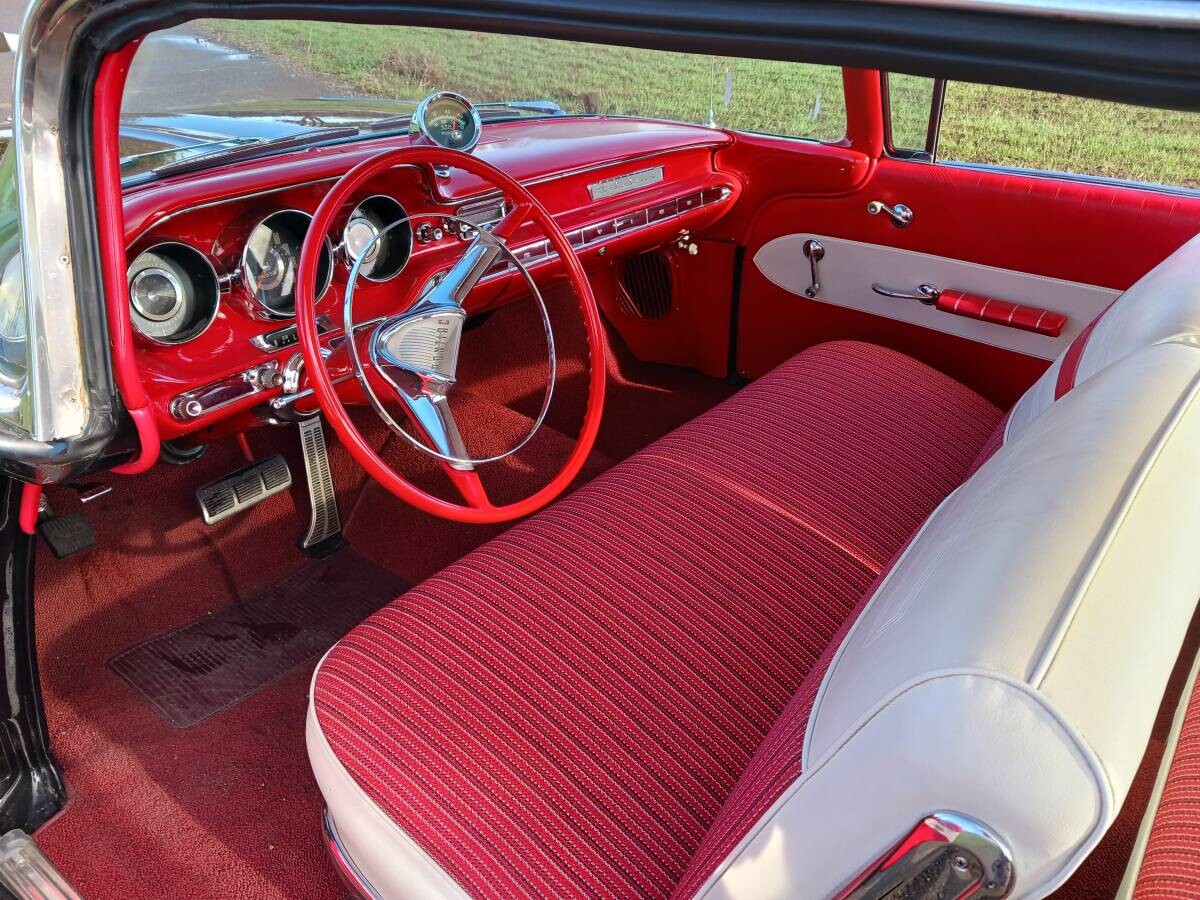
244, 488
324, 535
67, 535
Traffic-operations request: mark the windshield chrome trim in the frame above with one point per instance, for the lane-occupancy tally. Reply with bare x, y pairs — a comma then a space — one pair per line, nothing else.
69, 387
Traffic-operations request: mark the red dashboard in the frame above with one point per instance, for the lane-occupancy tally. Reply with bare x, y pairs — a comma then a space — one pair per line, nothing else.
616, 187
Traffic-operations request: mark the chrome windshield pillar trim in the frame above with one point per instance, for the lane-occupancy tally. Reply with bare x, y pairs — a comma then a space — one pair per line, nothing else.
66, 413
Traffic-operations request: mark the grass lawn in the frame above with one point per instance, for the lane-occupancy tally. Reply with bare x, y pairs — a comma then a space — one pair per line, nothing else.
1001, 126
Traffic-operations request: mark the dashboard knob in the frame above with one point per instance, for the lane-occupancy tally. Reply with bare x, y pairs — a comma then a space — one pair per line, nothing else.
426, 233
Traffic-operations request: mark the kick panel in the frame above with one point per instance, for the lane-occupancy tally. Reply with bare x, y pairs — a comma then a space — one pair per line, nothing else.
906, 286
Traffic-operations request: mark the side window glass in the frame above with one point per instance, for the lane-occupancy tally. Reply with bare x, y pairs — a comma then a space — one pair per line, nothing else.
1038, 131
912, 115
1045, 132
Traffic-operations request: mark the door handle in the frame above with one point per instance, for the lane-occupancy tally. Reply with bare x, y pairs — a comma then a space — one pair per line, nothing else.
925, 293
992, 310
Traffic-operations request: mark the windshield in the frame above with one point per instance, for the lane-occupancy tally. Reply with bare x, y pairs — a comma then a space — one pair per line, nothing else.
214, 85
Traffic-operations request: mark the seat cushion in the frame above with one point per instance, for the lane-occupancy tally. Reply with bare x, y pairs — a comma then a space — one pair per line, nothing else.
1169, 865
565, 710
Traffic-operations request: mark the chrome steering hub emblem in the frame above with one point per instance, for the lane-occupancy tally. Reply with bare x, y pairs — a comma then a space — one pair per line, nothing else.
424, 342
416, 352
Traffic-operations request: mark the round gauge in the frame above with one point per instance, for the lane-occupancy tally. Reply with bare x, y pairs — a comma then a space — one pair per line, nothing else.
156, 293
12, 301
449, 120
379, 226
271, 262
360, 235
173, 293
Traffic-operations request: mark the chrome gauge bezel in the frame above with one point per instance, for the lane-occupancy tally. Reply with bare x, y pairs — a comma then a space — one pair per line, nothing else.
215, 296
407, 248
244, 275
421, 124
175, 283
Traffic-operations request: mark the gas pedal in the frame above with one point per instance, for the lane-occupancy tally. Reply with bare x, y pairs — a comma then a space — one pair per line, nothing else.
244, 488
324, 535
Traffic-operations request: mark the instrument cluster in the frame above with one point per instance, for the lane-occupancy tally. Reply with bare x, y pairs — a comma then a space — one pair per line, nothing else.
175, 290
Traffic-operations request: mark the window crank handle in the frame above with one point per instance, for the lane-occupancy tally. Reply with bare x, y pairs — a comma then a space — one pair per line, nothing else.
815, 252
900, 214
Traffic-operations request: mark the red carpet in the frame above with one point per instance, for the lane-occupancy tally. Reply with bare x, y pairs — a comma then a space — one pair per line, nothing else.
228, 807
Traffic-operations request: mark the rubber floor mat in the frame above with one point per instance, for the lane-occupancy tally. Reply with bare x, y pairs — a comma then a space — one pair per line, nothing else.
214, 662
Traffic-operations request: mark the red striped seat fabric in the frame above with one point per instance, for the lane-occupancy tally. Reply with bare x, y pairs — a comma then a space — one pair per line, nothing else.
582, 706
1170, 866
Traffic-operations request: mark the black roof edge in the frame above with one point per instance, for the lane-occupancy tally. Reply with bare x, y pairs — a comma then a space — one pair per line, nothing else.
1135, 61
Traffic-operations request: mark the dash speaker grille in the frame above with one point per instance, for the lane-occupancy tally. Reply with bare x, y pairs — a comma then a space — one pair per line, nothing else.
646, 286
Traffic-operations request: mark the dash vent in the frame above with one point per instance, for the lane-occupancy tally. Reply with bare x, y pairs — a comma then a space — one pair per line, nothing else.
646, 286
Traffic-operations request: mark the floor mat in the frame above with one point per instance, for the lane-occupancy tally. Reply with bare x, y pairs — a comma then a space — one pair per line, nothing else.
214, 662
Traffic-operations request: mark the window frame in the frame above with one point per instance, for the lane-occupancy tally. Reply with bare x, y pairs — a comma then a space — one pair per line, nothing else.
929, 154
933, 123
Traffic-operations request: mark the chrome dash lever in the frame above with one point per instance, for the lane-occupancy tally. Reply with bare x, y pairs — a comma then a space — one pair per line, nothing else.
900, 214
925, 293
814, 250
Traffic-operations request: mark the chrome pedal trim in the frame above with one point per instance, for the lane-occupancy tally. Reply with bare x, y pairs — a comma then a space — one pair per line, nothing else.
242, 489
325, 525
27, 873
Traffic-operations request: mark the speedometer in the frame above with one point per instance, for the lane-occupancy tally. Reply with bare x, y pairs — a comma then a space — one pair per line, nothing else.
449, 120
271, 262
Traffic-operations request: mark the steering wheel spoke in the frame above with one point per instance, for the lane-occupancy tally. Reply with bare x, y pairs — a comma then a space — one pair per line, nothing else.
512, 221
430, 413
470, 486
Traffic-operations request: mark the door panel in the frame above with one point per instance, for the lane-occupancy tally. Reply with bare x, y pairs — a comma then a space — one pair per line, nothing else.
850, 271
1096, 235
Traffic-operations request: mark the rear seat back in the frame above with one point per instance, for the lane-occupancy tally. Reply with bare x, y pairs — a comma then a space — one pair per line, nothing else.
1010, 665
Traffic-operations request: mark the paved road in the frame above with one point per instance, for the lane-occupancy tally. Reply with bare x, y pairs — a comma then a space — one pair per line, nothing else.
177, 69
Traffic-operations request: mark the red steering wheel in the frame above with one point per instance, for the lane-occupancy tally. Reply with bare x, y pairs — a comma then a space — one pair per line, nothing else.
413, 353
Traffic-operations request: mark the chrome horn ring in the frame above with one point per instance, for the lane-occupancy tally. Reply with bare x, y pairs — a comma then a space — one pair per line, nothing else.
428, 402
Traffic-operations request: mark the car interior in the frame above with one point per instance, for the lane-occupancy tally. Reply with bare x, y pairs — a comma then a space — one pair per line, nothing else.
676, 510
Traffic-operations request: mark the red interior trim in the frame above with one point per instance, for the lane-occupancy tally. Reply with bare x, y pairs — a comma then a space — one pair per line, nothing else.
1002, 312
864, 105
110, 88
1069, 369
31, 497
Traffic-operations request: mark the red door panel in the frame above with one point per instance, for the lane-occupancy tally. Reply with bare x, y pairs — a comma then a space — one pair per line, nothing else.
1072, 230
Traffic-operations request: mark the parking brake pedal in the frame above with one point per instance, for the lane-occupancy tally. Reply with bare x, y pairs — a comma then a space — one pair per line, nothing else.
244, 488
324, 535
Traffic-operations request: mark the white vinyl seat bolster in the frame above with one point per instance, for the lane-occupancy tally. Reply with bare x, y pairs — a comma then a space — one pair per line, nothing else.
1011, 664
1163, 306
392, 863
